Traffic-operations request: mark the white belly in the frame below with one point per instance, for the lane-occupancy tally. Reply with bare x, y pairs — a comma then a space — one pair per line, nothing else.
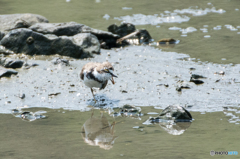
91, 83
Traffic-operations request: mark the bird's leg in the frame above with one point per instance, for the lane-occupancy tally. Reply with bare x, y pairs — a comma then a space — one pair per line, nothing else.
93, 95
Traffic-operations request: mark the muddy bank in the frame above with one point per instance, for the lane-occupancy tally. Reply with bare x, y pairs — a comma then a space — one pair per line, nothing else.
147, 77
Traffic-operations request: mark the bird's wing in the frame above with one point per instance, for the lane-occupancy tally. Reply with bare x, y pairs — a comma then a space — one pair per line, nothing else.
104, 84
87, 67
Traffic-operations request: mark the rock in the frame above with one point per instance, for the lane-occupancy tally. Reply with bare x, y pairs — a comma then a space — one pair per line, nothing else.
59, 29
22, 96
195, 76
13, 21
122, 30
88, 42
175, 128
73, 28
33, 43
179, 88
58, 60
27, 66
10, 63
126, 32
7, 72
1, 35
167, 41
54, 94
176, 113
196, 81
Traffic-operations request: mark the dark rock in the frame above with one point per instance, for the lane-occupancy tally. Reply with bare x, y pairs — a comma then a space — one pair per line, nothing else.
59, 29
103, 36
167, 41
12, 21
22, 96
27, 66
78, 46
196, 81
1, 35
57, 61
127, 35
54, 94
122, 30
179, 88
73, 28
10, 63
176, 113
7, 72
195, 76
144, 36
88, 42
123, 91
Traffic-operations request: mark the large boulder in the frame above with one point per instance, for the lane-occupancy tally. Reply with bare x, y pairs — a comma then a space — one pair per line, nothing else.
73, 28
13, 21
34, 43
59, 29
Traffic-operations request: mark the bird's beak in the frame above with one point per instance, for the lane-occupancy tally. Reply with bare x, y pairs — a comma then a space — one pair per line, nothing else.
112, 80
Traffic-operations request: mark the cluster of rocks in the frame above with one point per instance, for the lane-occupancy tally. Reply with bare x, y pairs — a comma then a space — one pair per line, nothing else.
31, 34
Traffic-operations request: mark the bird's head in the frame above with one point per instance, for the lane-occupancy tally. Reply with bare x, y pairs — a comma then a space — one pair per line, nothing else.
108, 69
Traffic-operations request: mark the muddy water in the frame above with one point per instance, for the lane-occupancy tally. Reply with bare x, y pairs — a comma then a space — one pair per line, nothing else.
60, 134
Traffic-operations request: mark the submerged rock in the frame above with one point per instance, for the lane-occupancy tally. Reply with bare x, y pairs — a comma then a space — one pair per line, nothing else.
176, 113
28, 116
7, 72
128, 111
11, 63
13, 21
175, 128
33, 43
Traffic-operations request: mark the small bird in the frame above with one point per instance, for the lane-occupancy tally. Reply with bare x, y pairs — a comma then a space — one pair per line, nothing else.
97, 75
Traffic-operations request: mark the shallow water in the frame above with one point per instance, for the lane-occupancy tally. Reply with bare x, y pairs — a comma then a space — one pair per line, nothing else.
210, 34
223, 43
60, 136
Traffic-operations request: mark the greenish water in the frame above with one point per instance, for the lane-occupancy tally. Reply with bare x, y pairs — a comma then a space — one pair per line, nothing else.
60, 136
222, 44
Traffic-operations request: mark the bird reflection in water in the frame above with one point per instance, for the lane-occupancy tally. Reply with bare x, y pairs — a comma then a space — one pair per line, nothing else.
97, 131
